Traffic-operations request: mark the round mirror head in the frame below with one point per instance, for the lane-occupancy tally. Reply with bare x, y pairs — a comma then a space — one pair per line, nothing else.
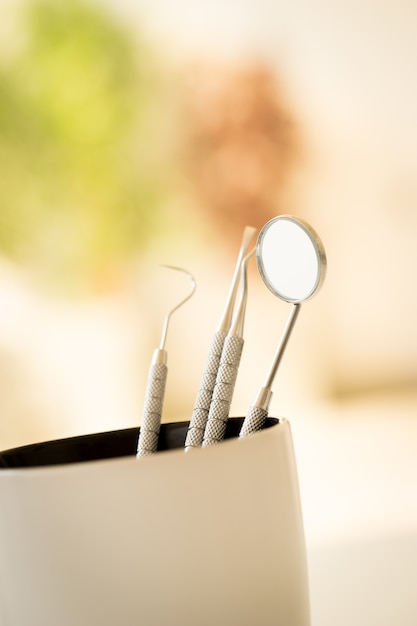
290, 258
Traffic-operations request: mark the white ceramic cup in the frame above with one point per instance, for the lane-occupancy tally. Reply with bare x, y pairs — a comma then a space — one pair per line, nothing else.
209, 538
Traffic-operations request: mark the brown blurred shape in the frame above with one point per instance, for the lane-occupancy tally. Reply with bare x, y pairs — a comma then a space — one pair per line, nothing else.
240, 145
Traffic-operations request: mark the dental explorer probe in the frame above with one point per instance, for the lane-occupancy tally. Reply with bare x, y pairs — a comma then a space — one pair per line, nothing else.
155, 388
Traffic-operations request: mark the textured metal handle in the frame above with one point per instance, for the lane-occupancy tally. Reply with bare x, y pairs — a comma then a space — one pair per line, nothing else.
223, 390
254, 420
152, 412
200, 414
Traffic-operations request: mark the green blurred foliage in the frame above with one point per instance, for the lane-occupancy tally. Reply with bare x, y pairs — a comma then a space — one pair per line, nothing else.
81, 183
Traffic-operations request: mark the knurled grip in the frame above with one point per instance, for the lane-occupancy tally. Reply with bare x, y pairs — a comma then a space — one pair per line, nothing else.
201, 410
152, 411
223, 390
254, 420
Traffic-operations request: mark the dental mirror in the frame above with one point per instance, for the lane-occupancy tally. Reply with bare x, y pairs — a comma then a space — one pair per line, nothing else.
290, 258
292, 262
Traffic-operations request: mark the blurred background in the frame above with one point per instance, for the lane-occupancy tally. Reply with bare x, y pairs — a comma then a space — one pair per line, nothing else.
137, 134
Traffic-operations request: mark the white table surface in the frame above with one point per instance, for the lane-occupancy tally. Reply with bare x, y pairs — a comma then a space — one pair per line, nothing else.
357, 467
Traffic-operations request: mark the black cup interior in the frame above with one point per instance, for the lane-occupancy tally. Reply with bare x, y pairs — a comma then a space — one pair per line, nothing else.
107, 445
